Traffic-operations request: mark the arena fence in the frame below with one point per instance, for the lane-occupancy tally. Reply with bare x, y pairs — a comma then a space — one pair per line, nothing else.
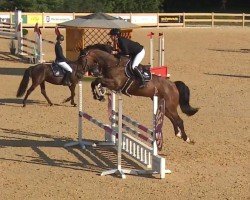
141, 19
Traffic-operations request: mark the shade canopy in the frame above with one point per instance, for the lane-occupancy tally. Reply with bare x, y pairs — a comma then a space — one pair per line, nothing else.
99, 20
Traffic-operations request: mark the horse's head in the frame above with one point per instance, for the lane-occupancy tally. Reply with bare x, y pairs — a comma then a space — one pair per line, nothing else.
89, 63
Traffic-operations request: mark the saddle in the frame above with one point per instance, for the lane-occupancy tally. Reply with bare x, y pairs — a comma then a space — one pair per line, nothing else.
144, 68
57, 70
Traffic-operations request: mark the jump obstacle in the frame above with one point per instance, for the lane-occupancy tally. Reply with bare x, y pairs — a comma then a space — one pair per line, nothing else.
138, 145
161, 69
28, 48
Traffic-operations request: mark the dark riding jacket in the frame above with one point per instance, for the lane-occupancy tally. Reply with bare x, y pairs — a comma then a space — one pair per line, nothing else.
59, 53
129, 47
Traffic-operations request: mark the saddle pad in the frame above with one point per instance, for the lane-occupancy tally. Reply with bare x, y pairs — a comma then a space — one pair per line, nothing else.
57, 70
146, 71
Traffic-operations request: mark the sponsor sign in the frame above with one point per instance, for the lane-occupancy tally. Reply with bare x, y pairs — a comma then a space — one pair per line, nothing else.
125, 17
5, 18
144, 19
56, 19
170, 19
33, 19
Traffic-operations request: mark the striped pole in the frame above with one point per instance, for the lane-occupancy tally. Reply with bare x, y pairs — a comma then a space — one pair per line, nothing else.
135, 123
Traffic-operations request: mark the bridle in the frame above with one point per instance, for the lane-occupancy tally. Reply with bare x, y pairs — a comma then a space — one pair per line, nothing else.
85, 66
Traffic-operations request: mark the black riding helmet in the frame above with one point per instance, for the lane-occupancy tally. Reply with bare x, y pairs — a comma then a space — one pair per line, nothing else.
60, 37
115, 31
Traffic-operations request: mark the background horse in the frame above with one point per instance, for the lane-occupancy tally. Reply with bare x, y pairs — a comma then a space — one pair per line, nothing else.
42, 73
114, 78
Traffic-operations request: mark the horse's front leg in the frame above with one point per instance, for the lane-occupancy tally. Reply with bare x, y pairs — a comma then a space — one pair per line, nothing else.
97, 87
93, 88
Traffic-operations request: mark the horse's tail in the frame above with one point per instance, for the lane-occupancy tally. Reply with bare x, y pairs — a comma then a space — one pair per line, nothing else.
24, 83
184, 97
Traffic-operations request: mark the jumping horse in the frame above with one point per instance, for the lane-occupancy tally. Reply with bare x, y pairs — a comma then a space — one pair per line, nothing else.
43, 72
113, 77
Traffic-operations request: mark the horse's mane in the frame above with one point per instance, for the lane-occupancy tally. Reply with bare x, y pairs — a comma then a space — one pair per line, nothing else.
103, 47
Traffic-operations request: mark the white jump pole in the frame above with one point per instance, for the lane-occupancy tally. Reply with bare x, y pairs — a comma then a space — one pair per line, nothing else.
155, 107
151, 48
118, 170
39, 46
19, 32
162, 49
80, 141
159, 50
110, 139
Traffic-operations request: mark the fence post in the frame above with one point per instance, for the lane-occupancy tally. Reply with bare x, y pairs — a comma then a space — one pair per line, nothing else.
184, 21
43, 19
243, 20
212, 19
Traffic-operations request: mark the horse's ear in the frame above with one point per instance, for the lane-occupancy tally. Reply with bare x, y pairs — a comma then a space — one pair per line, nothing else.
83, 52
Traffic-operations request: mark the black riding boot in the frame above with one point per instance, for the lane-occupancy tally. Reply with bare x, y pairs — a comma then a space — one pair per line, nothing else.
138, 73
66, 79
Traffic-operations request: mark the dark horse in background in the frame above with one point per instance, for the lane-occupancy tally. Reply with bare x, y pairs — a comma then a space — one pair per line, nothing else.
42, 73
114, 78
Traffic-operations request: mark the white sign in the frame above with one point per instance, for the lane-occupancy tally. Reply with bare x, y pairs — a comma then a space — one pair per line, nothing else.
57, 19
144, 19
5, 18
125, 17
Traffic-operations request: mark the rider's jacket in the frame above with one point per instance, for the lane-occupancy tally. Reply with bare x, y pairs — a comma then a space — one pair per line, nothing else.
129, 47
59, 53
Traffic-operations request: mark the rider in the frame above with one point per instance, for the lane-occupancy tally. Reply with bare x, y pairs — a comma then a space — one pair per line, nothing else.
61, 60
133, 49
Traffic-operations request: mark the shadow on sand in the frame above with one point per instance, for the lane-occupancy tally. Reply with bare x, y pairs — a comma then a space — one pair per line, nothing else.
12, 71
232, 50
228, 75
92, 159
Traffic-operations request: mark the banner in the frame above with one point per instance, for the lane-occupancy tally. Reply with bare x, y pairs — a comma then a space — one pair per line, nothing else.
170, 19
33, 19
56, 19
5, 18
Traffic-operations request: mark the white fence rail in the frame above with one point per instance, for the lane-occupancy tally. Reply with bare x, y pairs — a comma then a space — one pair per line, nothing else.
142, 19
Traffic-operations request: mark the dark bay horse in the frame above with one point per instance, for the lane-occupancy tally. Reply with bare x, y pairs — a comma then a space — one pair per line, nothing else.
42, 73
114, 78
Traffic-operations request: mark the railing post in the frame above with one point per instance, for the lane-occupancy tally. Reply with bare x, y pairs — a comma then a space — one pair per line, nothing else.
212, 19
184, 21
243, 20
43, 19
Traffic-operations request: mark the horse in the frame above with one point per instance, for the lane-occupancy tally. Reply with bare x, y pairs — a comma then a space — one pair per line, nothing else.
43, 72
114, 78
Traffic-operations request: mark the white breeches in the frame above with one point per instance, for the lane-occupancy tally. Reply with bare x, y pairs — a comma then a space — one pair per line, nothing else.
138, 58
65, 66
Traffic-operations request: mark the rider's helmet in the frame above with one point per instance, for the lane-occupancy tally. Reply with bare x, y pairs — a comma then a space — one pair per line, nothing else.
115, 31
60, 37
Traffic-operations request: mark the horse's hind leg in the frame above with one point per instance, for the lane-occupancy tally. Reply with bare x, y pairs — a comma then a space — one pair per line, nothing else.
32, 87
43, 91
171, 113
72, 95
177, 131
72, 90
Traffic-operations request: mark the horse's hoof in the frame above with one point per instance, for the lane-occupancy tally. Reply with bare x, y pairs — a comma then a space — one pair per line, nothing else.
178, 135
51, 104
190, 141
74, 104
24, 105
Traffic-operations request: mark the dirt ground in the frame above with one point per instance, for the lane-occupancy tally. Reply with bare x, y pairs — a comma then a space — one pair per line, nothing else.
214, 63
